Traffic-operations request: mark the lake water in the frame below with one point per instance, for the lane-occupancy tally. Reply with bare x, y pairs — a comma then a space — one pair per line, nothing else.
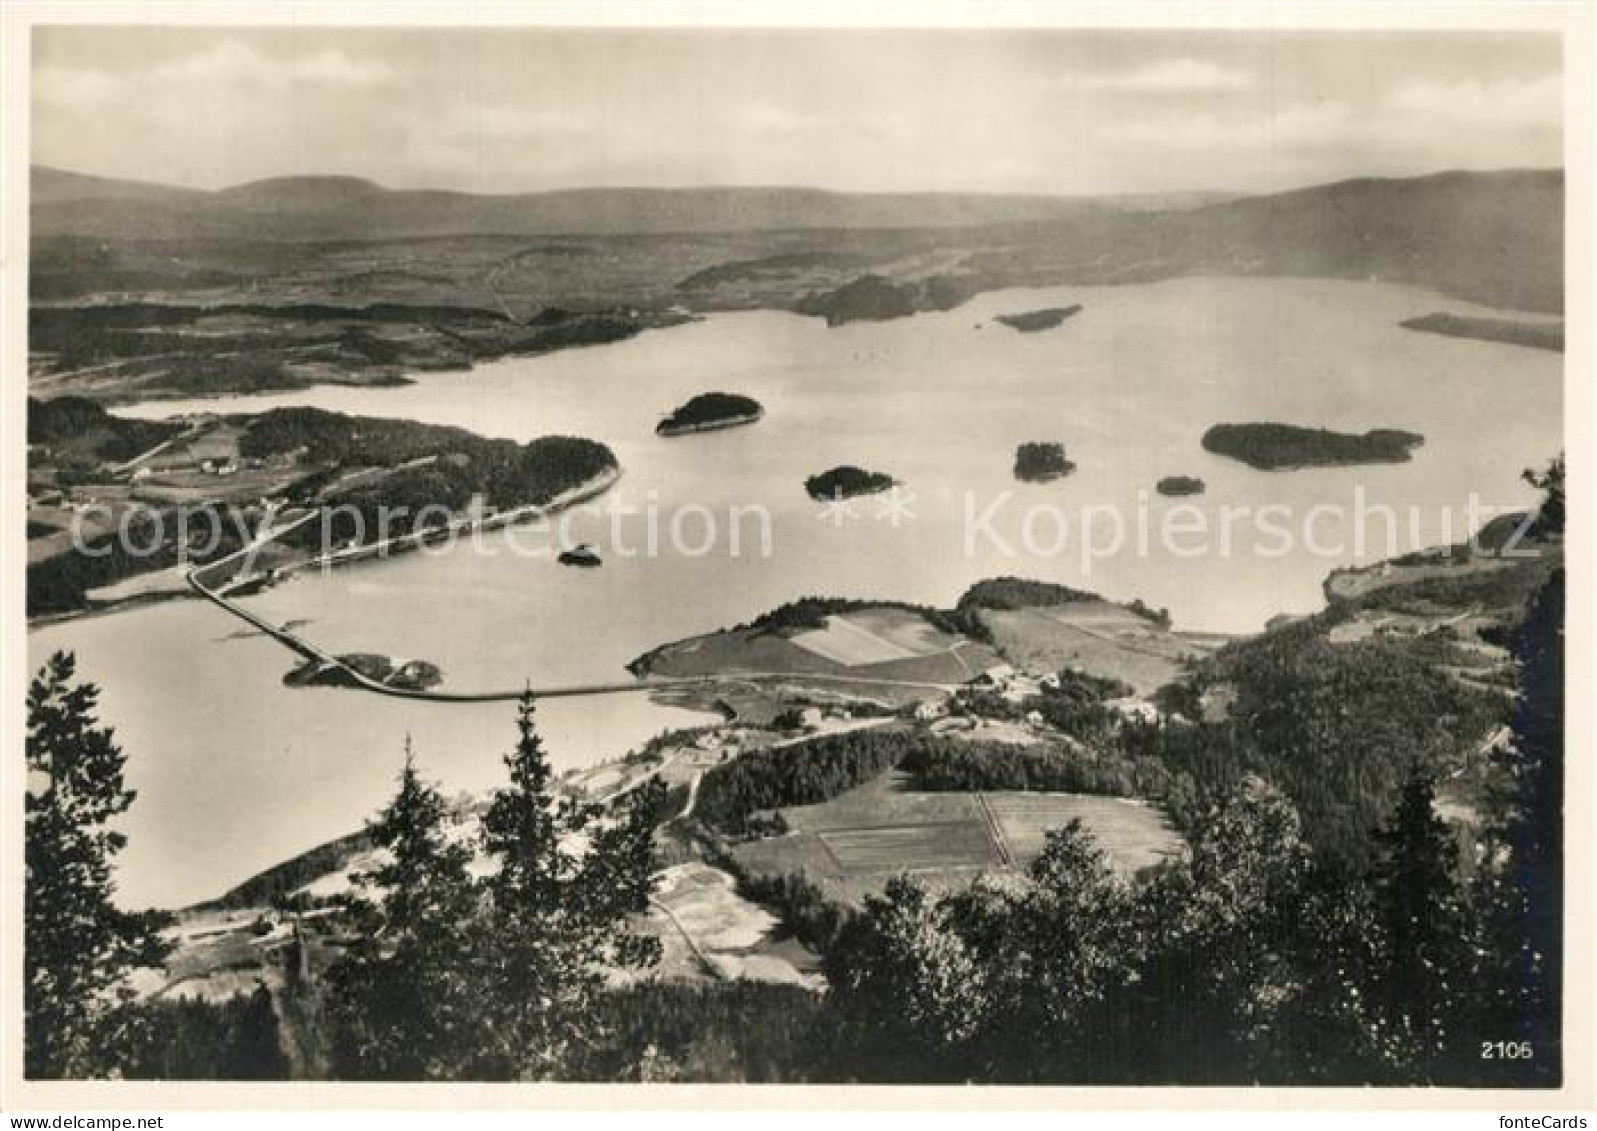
236, 771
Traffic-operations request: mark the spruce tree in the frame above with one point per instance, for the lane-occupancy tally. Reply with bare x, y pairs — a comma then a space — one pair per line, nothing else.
402, 1003
1420, 964
569, 874
1518, 890
79, 947
254, 1049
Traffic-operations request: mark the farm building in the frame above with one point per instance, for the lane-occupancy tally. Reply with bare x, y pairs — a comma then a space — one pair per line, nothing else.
1132, 708
997, 676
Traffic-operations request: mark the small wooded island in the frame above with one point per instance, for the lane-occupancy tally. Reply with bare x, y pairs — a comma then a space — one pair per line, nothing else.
708, 412
1176, 486
1040, 462
583, 556
847, 481
409, 675
1284, 447
1033, 320
876, 298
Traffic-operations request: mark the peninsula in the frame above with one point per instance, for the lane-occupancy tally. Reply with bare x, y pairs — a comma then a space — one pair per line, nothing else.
1544, 335
1031, 321
87, 477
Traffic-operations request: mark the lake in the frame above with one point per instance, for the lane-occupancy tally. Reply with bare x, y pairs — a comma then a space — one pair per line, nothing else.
236, 771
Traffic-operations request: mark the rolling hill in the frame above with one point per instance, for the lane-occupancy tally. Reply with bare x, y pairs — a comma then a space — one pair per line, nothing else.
1489, 237
319, 208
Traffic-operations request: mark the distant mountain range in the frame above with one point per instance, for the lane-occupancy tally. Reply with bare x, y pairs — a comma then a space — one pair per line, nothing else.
1492, 237
318, 208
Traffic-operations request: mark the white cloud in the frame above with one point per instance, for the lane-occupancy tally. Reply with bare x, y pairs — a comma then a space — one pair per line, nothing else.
1172, 76
76, 89
476, 120
1314, 124
232, 63
335, 68
1472, 104
770, 116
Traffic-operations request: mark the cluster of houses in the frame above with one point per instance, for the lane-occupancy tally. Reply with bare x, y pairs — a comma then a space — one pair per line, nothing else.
1016, 686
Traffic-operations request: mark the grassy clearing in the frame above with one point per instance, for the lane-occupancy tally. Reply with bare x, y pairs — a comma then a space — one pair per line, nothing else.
1096, 637
888, 644
913, 848
731, 936
1135, 835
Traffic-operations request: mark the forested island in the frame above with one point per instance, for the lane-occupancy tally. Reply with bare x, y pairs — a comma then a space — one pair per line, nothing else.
1041, 462
708, 412
1176, 486
1536, 335
1285, 447
1031, 321
847, 481
876, 298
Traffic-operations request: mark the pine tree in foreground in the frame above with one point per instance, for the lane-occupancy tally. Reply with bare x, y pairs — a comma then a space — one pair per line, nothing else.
401, 1001
254, 1049
569, 874
1419, 918
79, 947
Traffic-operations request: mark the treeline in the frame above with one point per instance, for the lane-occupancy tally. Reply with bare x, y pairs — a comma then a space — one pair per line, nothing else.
275, 885
365, 441
193, 1039
61, 583
1510, 586
743, 795
737, 1032
1010, 593
954, 764
805, 773
87, 432
463, 466
811, 612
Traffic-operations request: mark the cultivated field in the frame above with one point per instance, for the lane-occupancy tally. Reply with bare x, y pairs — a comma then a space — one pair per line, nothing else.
1097, 637
1135, 835
853, 844
892, 645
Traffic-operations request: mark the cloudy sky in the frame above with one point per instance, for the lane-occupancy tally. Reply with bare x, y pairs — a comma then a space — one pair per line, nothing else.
1054, 112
